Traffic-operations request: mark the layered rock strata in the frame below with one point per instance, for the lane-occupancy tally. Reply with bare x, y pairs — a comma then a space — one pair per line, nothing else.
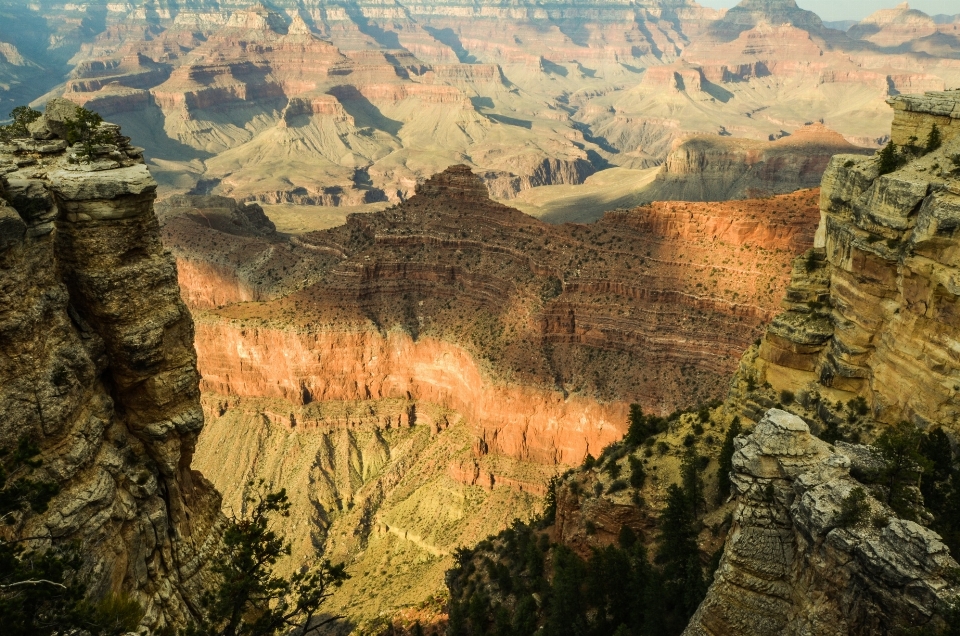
872, 311
789, 566
98, 367
715, 168
460, 301
306, 103
416, 376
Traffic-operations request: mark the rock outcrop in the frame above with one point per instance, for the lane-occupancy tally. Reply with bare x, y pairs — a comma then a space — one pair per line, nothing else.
97, 366
789, 566
872, 311
715, 168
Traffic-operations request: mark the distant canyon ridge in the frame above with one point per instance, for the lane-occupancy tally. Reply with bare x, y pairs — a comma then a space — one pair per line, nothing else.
352, 103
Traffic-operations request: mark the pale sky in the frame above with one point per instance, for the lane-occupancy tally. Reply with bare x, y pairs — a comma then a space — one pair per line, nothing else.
856, 9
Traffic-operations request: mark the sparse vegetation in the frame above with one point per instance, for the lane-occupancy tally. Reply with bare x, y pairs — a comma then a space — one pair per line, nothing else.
890, 159
853, 508
934, 139
249, 599
84, 131
22, 117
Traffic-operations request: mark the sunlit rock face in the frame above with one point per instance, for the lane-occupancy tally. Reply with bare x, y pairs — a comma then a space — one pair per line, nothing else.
416, 376
98, 367
873, 311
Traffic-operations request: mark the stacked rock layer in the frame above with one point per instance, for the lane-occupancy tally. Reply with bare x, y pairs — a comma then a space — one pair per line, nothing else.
98, 367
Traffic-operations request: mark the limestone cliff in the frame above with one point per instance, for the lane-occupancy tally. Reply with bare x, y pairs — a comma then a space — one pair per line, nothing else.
790, 567
868, 339
97, 365
873, 312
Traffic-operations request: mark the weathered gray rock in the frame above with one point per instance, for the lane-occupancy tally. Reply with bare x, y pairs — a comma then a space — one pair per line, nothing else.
12, 228
789, 569
97, 365
108, 184
56, 115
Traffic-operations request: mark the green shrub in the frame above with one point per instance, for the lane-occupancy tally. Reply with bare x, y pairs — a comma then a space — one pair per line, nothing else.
84, 130
638, 475
934, 139
890, 159
853, 509
617, 486
22, 117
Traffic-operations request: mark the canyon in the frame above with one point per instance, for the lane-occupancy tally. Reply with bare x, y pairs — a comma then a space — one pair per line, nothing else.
442, 363
415, 377
865, 349
312, 103
98, 370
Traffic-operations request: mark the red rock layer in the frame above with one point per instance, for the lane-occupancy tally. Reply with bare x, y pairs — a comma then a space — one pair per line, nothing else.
538, 335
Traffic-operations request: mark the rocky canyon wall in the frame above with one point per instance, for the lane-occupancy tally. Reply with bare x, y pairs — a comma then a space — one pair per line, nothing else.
791, 567
416, 376
462, 302
868, 339
872, 311
98, 368
714, 168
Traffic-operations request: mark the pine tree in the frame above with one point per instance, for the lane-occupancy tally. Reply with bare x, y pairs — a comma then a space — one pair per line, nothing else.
934, 140
250, 599
637, 428
726, 460
889, 160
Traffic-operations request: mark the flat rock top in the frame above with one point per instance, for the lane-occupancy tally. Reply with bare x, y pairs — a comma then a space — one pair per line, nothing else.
75, 185
943, 103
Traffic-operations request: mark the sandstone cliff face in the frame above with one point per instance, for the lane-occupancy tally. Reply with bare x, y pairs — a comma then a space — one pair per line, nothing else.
460, 301
789, 568
98, 366
713, 168
873, 311
416, 376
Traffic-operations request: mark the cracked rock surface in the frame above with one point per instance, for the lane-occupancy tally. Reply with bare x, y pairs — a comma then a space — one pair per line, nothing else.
789, 568
97, 364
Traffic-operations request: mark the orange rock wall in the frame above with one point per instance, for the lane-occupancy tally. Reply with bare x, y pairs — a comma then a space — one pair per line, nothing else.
528, 424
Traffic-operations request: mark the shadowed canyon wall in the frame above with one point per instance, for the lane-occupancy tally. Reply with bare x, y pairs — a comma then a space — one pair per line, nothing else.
416, 376
97, 366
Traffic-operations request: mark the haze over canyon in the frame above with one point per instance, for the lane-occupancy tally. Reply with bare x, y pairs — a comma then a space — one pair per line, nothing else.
512, 299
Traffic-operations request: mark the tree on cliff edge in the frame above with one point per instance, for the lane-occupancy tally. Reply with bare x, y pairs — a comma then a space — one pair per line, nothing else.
250, 599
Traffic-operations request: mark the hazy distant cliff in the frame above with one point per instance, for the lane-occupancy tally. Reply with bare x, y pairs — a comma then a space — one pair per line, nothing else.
97, 365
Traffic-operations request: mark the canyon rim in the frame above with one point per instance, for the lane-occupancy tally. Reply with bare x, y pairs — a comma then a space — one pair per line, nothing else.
611, 318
